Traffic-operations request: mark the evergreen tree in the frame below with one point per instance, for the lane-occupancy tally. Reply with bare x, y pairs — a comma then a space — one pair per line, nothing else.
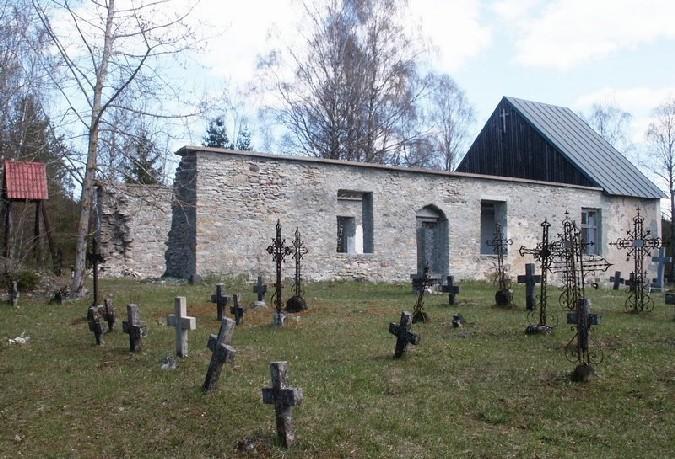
143, 166
244, 139
216, 136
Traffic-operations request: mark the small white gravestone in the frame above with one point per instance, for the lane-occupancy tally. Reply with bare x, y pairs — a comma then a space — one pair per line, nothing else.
183, 324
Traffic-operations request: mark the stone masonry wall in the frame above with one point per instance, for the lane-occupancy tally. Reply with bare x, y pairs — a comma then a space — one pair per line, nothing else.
135, 220
239, 197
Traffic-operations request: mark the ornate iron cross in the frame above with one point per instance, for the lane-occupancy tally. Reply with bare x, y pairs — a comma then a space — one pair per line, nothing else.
499, 246
580, 351
419, 315
299, 251
638, 245
279, 250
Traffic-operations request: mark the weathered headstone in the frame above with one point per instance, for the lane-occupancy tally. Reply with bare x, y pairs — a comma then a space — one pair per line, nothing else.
94, 320
236, 310
616, 280
631, 283
661, 260
222, 352
583, 319
403, 334
260, 289
14, 294
284, 399
451, 289
220, 300
135, 328
108, 313
530, 280
183, 324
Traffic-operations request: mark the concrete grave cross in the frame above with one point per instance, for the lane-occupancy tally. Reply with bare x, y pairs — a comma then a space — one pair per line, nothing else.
94, 320
220, 300
260, 289
284, 399
631, 282
222, 352
661, 259
135, 328
451, 289
14, 294
183, 324
616, 280
530, 280
403, 334
236, 310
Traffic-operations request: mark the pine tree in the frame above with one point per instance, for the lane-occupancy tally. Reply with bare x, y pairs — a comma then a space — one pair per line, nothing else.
216, 135
244, 139
143, 166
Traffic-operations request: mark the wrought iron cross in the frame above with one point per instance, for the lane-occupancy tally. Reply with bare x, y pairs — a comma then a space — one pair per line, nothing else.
499, 246
299, 251
638, 245
580, 351
419, 315
543, 252
279, 250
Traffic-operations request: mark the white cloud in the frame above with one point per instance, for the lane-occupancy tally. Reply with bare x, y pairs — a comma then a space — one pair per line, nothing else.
564, 33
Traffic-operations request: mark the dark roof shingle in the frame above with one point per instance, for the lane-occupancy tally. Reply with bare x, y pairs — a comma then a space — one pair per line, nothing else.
587, 149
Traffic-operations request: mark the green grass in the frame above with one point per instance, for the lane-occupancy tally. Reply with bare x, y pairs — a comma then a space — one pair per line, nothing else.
484, 390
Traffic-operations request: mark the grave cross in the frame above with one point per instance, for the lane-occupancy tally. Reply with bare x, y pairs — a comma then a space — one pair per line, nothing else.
14, 294
583, 320
236, 310
419, 314
499, 245
108, 312
638, 244
260, 288
135, 328
403, 334
451, 289
94, 257
220, 300
279, 250
530, 280
661, 259
284, 399
183, 324
222, 352
297, 302
94, 320
616, 280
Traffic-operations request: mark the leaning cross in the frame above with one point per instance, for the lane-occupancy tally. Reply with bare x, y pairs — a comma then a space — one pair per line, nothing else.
236, 310
260, 288
183, 324
222, 352
284, 399
220, 301
530, 280
616, 280
403, 334
94, 319
451, 289
661, 259
135, 328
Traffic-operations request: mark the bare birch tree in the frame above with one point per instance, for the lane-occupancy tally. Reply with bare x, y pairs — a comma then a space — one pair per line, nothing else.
109, 48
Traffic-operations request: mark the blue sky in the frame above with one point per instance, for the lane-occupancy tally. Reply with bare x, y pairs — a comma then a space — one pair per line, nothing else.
564, 52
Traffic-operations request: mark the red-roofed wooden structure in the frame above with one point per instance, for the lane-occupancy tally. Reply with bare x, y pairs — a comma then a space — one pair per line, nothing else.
25, 181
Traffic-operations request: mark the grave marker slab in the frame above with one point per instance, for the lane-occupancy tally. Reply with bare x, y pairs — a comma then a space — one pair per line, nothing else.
284, 399
220, 300
617, 280
236, 310
260, 289
183, 324
222, 353
451, 289
108, 313
530, 280
94, 320
403, 334
661, 260
135, 328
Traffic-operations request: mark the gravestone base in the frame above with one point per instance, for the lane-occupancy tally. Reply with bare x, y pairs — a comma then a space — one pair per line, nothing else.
504, 297
278, 319
296, 304
583, 373
539, 330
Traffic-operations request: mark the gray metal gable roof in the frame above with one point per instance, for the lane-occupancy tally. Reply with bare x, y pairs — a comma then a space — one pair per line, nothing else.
586, 149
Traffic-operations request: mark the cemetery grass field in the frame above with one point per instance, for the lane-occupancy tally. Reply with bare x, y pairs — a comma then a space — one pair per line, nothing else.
484, 390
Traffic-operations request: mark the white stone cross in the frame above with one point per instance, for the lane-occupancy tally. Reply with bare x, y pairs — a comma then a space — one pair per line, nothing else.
183, 324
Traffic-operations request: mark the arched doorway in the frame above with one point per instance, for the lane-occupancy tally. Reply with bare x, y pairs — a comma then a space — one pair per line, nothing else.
432, 241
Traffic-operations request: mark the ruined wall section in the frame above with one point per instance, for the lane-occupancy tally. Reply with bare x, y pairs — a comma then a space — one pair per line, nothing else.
134, 222
241, 196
